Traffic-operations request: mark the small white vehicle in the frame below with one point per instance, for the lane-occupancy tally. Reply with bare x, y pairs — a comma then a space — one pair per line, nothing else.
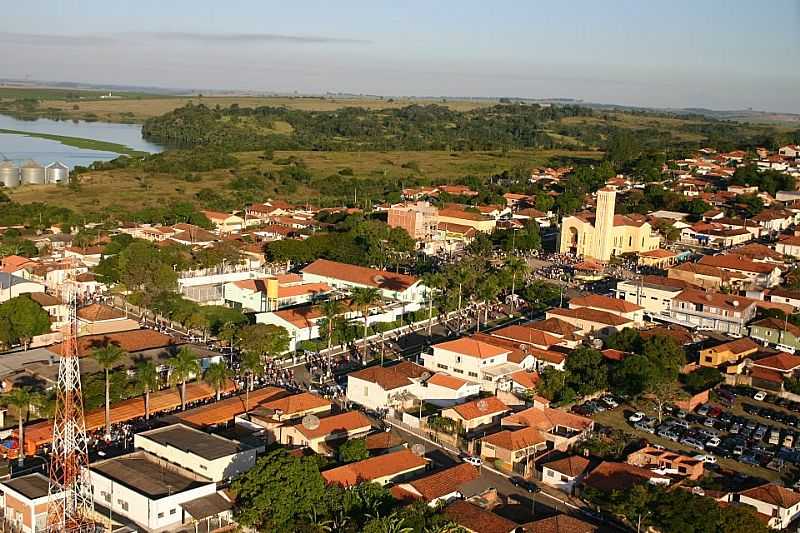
785, 348
760, 396
713, 442
707, 459
638, 416
474, 461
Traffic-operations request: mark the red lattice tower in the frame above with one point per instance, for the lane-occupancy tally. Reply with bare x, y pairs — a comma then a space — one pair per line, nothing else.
70, 505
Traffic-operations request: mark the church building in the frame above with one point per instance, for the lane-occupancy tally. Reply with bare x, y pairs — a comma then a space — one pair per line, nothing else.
602, 235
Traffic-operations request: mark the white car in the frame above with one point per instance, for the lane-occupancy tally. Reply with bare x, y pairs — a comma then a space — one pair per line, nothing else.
713, 442
707, 459
760, 396
474, 461
638, 416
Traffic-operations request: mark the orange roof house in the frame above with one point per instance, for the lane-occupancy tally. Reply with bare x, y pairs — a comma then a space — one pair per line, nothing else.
440, 486
342, 274
381, 469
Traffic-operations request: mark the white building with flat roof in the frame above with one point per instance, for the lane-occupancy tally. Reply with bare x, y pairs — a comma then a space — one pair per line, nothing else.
211, 456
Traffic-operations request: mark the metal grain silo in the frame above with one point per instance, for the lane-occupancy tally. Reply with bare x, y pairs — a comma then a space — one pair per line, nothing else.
32, 173
9, 174
57, 173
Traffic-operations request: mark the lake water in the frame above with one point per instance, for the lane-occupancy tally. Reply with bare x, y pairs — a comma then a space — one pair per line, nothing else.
19, 148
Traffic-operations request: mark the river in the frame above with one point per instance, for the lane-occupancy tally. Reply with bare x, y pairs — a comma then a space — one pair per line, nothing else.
19, 147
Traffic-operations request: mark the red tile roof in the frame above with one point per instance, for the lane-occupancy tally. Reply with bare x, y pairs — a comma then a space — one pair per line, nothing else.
605, 302
391, 377
480, 407
555, 326
773, 495
130, 341
370, 277
572, 466
736, 263
782, 362
527, 335
374, 468
591, 315
445, 481
610, 476
560, 523
476, 519
445, 380
526, 379
519, 439
297, 403
715, 299
346, 421
546, 418
98, 312
471, 348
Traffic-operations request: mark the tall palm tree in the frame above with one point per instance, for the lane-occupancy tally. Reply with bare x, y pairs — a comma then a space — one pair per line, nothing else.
147, 375
364, 298
517, 267
251, 365
107, 357
487, 291
330, 310
20, 400
433, 282
216, 375
181, 368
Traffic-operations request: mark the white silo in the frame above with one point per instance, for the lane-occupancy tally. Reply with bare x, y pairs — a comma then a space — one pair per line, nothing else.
57, 173
32, 173
9, 174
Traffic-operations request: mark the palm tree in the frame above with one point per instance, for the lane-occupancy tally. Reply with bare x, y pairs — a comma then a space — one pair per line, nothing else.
364, 298
433, 282
147, 374
216, 375
182, 367
330, 310
20, 400
107, 357
487, 290
251, 365
517, 267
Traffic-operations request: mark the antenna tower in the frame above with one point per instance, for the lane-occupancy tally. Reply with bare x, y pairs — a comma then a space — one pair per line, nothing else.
70, 506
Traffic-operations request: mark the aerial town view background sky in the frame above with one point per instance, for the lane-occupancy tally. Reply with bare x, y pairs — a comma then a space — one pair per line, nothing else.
729, 54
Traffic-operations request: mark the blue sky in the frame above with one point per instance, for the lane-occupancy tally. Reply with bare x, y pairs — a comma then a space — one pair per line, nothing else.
730, 54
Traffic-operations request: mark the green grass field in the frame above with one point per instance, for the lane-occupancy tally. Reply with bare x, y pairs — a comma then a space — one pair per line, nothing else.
78, 142
131, 189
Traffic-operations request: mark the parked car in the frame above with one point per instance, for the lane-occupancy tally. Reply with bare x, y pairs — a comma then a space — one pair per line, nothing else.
641, 426
713, 442
683, 424
703, 409
610, 402
707, 459
692, 443
472, 460
774, 437
760, 396
788, 440
638, 416
524, 484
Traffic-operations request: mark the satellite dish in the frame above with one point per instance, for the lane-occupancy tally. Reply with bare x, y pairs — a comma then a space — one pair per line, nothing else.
418, 449
736, 303
483, 406
311, 422
597, 343
425, 376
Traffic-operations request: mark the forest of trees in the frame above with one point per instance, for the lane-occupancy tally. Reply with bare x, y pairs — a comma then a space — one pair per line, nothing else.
415, 127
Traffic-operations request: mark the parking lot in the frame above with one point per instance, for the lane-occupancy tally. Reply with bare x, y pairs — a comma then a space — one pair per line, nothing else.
736, 432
